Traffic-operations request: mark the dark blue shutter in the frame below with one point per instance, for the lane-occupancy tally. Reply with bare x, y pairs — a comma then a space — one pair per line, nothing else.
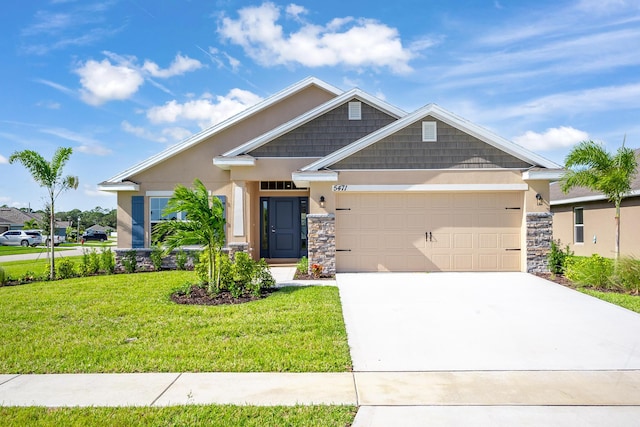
137, 221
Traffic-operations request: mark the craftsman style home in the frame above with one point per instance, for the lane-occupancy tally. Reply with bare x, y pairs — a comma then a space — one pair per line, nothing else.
355, 184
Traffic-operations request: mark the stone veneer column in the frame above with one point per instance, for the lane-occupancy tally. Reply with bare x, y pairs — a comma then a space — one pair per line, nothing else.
322, 241
539, 237
234, 248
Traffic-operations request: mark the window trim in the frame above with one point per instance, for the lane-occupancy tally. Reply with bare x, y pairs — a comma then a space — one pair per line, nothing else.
577, 226
429, 131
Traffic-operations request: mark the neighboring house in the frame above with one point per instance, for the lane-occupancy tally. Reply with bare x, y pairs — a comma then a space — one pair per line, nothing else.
97, 228
585, 220
14, 219
355, 184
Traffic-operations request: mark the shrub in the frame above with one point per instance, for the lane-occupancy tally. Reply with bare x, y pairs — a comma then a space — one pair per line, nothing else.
3, 276
627, 274
181, 260
65, 268
107, 261
303, 265
593, 272
316, 270
156, 258
201, 267
130, 261
557, 257
94, 262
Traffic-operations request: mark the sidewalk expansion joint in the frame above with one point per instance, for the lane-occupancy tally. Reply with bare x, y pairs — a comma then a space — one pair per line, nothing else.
165, 390
10, 379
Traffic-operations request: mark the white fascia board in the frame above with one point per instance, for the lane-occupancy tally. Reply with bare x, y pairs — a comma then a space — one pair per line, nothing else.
120, 186
427, 188
545, 175
584, 199
206, 133
226, 163
313, 114
445, 116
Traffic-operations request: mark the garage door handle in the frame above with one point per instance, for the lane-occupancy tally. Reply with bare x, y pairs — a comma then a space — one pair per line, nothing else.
512, 249
343, 250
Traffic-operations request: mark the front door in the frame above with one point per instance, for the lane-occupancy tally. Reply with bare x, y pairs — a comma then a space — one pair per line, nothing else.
284, 232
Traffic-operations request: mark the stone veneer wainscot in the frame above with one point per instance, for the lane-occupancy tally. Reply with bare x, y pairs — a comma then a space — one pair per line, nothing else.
322, 241
539, 236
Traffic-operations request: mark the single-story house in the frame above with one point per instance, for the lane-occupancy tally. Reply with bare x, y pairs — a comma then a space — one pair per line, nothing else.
585, 220
355, 184
97, 228
14, 219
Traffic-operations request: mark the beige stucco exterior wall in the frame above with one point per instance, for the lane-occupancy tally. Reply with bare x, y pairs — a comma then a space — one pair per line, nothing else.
197, 162
599, 221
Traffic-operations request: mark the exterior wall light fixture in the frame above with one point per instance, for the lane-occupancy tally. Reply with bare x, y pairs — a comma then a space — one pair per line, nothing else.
322, 201
539, 199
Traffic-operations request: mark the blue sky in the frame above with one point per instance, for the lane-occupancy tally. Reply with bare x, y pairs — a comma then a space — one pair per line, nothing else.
120, 80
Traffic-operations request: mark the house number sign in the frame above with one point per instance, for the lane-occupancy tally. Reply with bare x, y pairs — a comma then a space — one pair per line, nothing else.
341, 187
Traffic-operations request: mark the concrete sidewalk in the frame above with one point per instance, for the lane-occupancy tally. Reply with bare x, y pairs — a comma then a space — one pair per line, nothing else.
44, 254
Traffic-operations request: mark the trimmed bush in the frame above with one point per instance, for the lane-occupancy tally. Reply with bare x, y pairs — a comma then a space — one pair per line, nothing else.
303, 265
130, 261
65, 268
107, 261
3, 276
156, 258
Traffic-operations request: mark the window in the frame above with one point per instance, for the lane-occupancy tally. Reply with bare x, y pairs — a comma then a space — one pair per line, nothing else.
355, 110
429, 132
578, 225
156, 207
279, 185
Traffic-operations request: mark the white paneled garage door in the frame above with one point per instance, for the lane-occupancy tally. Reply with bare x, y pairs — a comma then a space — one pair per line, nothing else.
428, 231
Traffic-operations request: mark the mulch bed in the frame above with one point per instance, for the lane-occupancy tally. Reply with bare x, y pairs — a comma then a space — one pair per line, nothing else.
199, 296
557, 278
307, 276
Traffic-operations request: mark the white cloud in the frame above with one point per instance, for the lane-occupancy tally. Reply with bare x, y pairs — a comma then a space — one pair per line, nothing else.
3, 160
87, 145
204, 111
180, 65
49, 104
103, 81
118, 77
343, 41
166, 135
295, 11
552, 138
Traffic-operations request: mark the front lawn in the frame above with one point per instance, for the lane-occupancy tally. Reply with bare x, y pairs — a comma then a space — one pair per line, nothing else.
630, 302
127, 323
19, 250
40, 266
180, 416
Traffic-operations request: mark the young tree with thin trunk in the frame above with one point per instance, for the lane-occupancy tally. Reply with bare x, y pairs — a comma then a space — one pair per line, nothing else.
204, 225
590, 166
49, 175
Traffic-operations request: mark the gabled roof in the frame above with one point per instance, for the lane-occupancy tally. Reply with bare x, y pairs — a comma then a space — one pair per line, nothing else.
312, 114
445, 116
206, 133
582, 195
14, 216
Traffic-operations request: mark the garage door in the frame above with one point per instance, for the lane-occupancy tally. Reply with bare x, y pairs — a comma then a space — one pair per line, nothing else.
428, 231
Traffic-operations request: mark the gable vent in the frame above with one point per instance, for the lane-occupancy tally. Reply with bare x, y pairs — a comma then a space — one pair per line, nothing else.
429, 132
355, 110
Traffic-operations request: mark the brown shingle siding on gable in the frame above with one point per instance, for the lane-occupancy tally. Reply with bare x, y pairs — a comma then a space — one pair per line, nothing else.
326, 134
454, 149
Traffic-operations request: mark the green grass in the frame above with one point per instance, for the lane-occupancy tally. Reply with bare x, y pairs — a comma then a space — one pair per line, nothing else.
631, 302
16, 269
210, 415
19, 250
127, 323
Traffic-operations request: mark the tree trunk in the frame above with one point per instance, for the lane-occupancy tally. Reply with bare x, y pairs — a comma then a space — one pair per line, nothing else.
52, 229
617, 249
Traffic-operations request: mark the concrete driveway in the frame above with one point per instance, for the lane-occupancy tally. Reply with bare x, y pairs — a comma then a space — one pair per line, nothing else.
482, 322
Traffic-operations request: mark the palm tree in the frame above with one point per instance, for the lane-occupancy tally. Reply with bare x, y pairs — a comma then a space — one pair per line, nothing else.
49, 175
591, 166
204, 225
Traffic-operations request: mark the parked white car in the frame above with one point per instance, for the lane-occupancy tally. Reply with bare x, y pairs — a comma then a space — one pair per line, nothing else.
21, 238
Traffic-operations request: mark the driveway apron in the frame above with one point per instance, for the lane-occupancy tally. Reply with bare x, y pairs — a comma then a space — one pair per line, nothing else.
482, 322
